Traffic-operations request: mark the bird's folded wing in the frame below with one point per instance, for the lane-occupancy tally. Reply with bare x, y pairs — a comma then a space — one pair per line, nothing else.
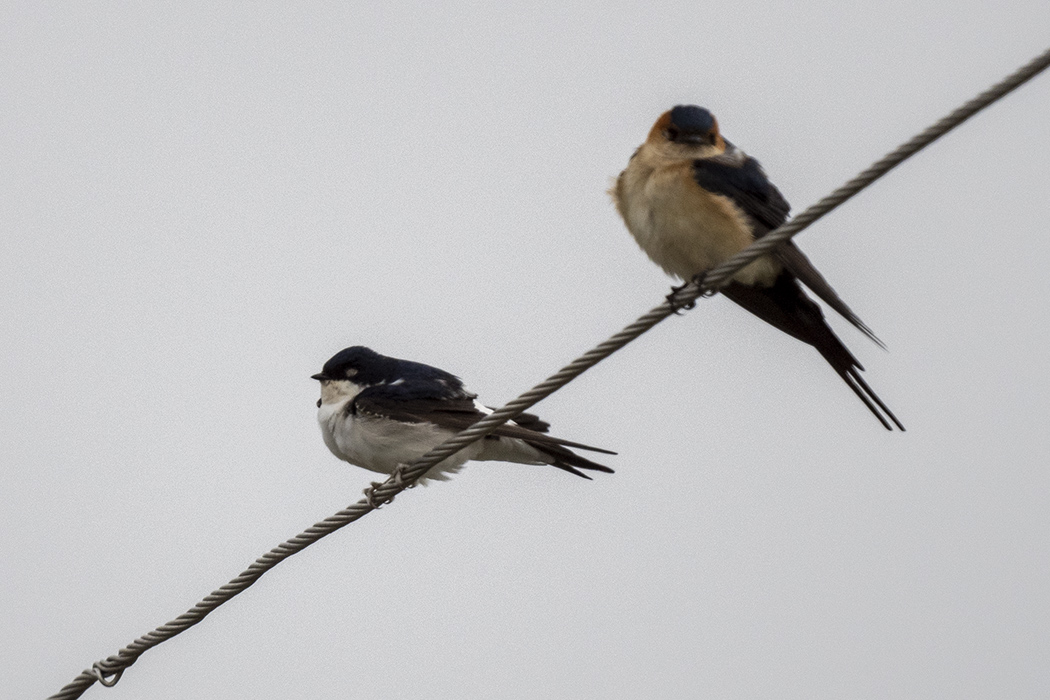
454, 415
742, 180
799, 265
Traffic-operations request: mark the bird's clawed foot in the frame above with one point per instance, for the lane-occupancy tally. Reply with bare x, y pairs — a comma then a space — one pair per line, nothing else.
370, 496
399, 478
399, 481
678, 304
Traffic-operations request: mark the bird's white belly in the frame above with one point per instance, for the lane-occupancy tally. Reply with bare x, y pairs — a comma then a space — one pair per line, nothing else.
382, 445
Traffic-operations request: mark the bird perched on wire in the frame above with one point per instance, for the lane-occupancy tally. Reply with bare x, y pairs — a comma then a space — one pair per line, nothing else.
381, 413
692, 199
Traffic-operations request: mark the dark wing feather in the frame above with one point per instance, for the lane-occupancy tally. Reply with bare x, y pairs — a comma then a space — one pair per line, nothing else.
563, 458
796, 262
786, 307
455, 415
531, 421
741, 179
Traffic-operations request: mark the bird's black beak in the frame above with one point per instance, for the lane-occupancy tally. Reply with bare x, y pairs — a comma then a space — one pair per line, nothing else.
320, 376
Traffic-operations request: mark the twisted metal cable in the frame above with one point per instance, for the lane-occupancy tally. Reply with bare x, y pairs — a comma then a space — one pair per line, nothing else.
109, 670
721, 275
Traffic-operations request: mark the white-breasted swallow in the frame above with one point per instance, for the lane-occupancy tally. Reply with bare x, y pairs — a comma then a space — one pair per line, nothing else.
382, 413
692, 199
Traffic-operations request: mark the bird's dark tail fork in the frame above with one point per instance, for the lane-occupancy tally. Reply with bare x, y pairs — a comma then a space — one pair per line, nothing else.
786, 306
860, 387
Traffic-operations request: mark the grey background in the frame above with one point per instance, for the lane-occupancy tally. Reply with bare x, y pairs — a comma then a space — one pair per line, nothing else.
202, 202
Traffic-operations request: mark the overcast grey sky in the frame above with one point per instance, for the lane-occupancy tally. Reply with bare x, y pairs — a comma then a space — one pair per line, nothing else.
201, 203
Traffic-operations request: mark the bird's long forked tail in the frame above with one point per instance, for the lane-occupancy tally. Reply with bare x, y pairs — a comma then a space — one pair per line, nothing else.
852, 377
786, 307
567, 460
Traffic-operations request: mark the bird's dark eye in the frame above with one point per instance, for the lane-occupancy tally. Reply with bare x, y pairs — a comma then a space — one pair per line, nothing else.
671, 133
318, 403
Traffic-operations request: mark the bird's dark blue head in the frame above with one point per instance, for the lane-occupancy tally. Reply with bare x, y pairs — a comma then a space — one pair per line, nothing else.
358, 363
365, 367
691, 124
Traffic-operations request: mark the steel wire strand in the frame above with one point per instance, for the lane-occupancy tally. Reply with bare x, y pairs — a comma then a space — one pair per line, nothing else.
720, 276
109, 670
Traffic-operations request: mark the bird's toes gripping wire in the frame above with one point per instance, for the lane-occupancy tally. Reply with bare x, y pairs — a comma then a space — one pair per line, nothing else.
678, 304
370, 496
399, 479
